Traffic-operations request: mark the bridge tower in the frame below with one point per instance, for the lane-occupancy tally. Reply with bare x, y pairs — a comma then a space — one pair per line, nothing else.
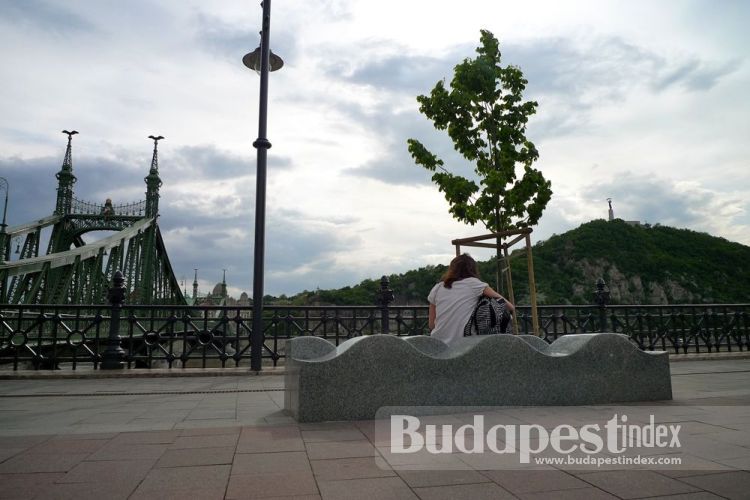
73, 272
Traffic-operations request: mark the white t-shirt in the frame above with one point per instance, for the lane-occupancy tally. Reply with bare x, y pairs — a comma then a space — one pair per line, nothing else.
454, 306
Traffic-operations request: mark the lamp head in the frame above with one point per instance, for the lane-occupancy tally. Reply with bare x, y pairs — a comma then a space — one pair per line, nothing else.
252, 61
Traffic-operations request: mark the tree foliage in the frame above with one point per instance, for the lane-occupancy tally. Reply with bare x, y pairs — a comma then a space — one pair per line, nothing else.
485, 117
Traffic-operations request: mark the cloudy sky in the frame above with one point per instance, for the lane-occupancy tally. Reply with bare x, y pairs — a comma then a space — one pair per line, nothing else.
644, 102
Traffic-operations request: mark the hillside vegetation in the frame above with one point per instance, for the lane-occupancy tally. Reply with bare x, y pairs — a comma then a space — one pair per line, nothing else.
641, 264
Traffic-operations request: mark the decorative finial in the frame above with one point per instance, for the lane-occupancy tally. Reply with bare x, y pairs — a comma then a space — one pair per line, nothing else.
155, 138
70, 134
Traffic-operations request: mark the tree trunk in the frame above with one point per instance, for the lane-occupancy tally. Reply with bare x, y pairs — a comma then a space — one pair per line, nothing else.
499, 259
500, 263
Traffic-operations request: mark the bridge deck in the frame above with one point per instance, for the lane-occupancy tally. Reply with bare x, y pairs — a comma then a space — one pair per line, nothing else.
88, 251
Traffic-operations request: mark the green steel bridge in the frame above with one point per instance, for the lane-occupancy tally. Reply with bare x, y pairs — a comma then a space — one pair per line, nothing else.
74, 272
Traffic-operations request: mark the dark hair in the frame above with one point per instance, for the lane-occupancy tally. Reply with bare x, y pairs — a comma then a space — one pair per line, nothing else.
461, 267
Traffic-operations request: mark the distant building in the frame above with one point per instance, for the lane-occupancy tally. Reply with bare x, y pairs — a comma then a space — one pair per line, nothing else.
218, 296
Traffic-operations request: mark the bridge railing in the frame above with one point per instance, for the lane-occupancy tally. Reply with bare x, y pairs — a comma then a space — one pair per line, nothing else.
133, 209
71, 336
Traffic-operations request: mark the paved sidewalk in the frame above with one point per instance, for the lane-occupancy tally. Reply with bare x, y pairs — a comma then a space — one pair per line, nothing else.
227, 437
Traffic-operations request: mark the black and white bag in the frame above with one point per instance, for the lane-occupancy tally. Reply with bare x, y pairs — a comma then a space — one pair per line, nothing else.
490, 317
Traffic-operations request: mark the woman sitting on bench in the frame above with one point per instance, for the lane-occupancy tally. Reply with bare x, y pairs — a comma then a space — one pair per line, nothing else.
453, 300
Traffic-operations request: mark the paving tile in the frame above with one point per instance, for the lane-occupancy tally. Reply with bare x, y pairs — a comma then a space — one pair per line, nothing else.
22, 442
272, 432
330, 426
496, 461
147, 437
179, 494
298, 497
204, 424
279, 420
129, 452
211, 415
197, 456
269, 463
423, 478
421, 460
208, 477
636, 484
24, 486
377, 431
210, 431
530, 481
736, 463
210, 441
348, 468
289, 484
6, 453
727, 484
341, 449
26, 463
249, 445
108, 471
382, 488
57, 446
85, 491
481, 491
85, 435
270, 439
314, 436
577, 494
705, 446
699, 495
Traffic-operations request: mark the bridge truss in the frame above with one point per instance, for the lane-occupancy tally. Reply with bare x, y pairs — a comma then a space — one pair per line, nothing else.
74, 272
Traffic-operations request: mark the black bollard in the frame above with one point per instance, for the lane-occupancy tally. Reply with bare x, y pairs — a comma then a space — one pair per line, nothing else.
113, 356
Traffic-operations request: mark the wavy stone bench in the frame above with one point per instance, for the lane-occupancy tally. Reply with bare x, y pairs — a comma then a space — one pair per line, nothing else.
353, 380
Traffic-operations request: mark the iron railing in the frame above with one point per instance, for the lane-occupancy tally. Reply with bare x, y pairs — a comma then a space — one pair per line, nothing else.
133, 336
134, 209
67, 336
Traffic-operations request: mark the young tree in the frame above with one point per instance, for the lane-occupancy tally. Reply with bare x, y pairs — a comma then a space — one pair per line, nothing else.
485, 116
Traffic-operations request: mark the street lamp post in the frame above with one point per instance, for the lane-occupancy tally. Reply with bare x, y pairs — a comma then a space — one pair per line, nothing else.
4, 243
260, 59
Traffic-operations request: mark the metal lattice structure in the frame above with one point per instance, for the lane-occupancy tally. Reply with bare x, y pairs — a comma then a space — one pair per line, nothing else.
73, 272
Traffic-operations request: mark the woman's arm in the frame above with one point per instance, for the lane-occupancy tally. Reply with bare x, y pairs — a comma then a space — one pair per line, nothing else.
431, 317
489, 292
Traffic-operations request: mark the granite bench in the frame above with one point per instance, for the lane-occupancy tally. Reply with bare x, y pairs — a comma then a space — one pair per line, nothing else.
352, 381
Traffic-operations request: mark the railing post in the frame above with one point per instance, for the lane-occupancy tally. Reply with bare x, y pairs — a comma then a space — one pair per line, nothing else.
385, 297
601, 298
113, 356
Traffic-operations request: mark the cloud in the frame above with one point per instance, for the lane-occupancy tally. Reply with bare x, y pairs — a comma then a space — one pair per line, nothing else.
45, 17
400, 72
695, 74
570, 77
207, 161
680, 204
231, 41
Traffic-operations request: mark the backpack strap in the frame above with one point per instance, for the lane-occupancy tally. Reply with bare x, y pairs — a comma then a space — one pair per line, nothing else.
472, 320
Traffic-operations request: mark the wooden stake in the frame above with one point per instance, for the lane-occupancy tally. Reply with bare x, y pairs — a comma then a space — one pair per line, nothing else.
532, 287
511, 296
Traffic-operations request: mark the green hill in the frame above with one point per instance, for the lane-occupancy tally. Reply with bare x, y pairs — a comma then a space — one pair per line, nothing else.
641, 264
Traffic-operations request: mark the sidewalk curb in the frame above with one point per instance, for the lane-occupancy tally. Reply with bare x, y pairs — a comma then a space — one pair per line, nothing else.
88, 373
138, 373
